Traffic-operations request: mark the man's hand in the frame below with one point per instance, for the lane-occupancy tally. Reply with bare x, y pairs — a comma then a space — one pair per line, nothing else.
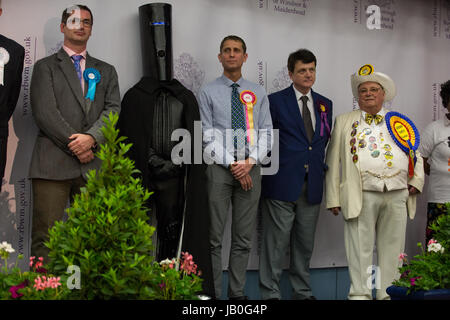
80, 143
246, 182
335, 210
86, 157
242, 168
412, 190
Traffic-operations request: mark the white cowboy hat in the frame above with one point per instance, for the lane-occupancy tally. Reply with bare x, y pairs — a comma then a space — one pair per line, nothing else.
366, 74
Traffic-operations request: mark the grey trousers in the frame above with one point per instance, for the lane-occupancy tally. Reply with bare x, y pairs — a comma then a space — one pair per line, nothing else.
50, 198
287, 224
223, 191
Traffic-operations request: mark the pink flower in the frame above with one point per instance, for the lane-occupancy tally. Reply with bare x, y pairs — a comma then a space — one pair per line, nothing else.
38, 265
188, 264
402, 257
14, 289
413, 280
43, 283
432, 241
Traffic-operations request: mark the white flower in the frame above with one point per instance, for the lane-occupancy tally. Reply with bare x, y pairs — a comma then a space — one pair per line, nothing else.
5, 246
435, 247
166, 262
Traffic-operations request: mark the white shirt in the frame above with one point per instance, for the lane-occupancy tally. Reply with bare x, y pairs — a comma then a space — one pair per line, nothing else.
435, 145
309, 104
383, 165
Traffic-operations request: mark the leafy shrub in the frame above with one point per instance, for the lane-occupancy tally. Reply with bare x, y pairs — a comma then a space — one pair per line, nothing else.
106, 234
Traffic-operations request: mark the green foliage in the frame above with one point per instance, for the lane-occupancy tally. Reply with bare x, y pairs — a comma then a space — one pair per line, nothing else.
106, 233
442, 228
430, 269
174, 281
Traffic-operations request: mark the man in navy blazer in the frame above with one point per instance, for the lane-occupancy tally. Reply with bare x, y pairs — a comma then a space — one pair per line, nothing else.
291, 198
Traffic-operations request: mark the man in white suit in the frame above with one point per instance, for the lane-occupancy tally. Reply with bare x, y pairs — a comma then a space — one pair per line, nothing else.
373, 182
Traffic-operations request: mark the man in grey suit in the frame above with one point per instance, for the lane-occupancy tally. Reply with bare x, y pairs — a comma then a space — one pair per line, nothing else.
68, 108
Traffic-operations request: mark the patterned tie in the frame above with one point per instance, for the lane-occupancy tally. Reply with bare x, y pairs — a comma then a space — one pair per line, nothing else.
307, 118
76, 62
369, 118
237, 118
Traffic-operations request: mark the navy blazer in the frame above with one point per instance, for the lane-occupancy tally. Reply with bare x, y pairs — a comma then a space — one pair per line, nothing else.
296, 153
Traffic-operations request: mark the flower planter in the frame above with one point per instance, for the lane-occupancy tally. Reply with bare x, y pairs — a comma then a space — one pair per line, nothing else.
401, 293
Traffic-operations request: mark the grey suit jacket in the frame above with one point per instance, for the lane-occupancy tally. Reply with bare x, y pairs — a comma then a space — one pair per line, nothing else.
60, 110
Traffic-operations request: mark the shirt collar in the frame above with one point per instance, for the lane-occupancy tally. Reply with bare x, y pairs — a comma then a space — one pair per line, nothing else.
70, 52
298, 94
228, 82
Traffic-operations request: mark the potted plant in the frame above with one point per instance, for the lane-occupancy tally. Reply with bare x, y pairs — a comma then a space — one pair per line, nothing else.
107, 235
35, 284
107, 239
176, 279
427, 276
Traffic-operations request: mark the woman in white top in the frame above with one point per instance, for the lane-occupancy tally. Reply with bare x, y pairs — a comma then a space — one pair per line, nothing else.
435, 149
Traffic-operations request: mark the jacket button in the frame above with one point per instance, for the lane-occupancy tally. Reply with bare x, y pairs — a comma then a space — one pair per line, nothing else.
309, 148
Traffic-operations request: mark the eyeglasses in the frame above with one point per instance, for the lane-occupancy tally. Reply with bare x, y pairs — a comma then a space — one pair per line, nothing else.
76, 22
371, 90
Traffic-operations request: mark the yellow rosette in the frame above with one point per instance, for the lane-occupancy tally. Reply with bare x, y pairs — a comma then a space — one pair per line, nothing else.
248, 98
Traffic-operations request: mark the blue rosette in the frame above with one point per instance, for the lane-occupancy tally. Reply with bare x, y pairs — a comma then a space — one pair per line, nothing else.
92, 77
406, 136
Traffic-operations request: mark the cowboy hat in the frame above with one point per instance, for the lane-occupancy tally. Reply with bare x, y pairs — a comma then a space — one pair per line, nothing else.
366, 74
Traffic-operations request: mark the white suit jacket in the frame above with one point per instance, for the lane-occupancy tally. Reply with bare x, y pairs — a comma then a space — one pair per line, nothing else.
343, 178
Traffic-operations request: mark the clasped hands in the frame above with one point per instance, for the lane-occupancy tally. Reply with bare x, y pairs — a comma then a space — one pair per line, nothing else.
240, 171
81, 146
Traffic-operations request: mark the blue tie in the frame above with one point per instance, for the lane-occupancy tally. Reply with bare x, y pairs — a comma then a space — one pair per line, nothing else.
238, 118
76, 61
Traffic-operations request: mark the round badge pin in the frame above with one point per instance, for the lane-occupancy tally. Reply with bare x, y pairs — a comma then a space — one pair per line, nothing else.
365, 70
367, 131
375, 154
362, 143
388, 155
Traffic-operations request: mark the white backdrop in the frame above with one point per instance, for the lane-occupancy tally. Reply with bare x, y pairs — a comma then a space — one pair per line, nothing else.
412, 46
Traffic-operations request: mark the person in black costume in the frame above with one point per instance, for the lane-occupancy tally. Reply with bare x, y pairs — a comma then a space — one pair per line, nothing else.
151, 110
11, 66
